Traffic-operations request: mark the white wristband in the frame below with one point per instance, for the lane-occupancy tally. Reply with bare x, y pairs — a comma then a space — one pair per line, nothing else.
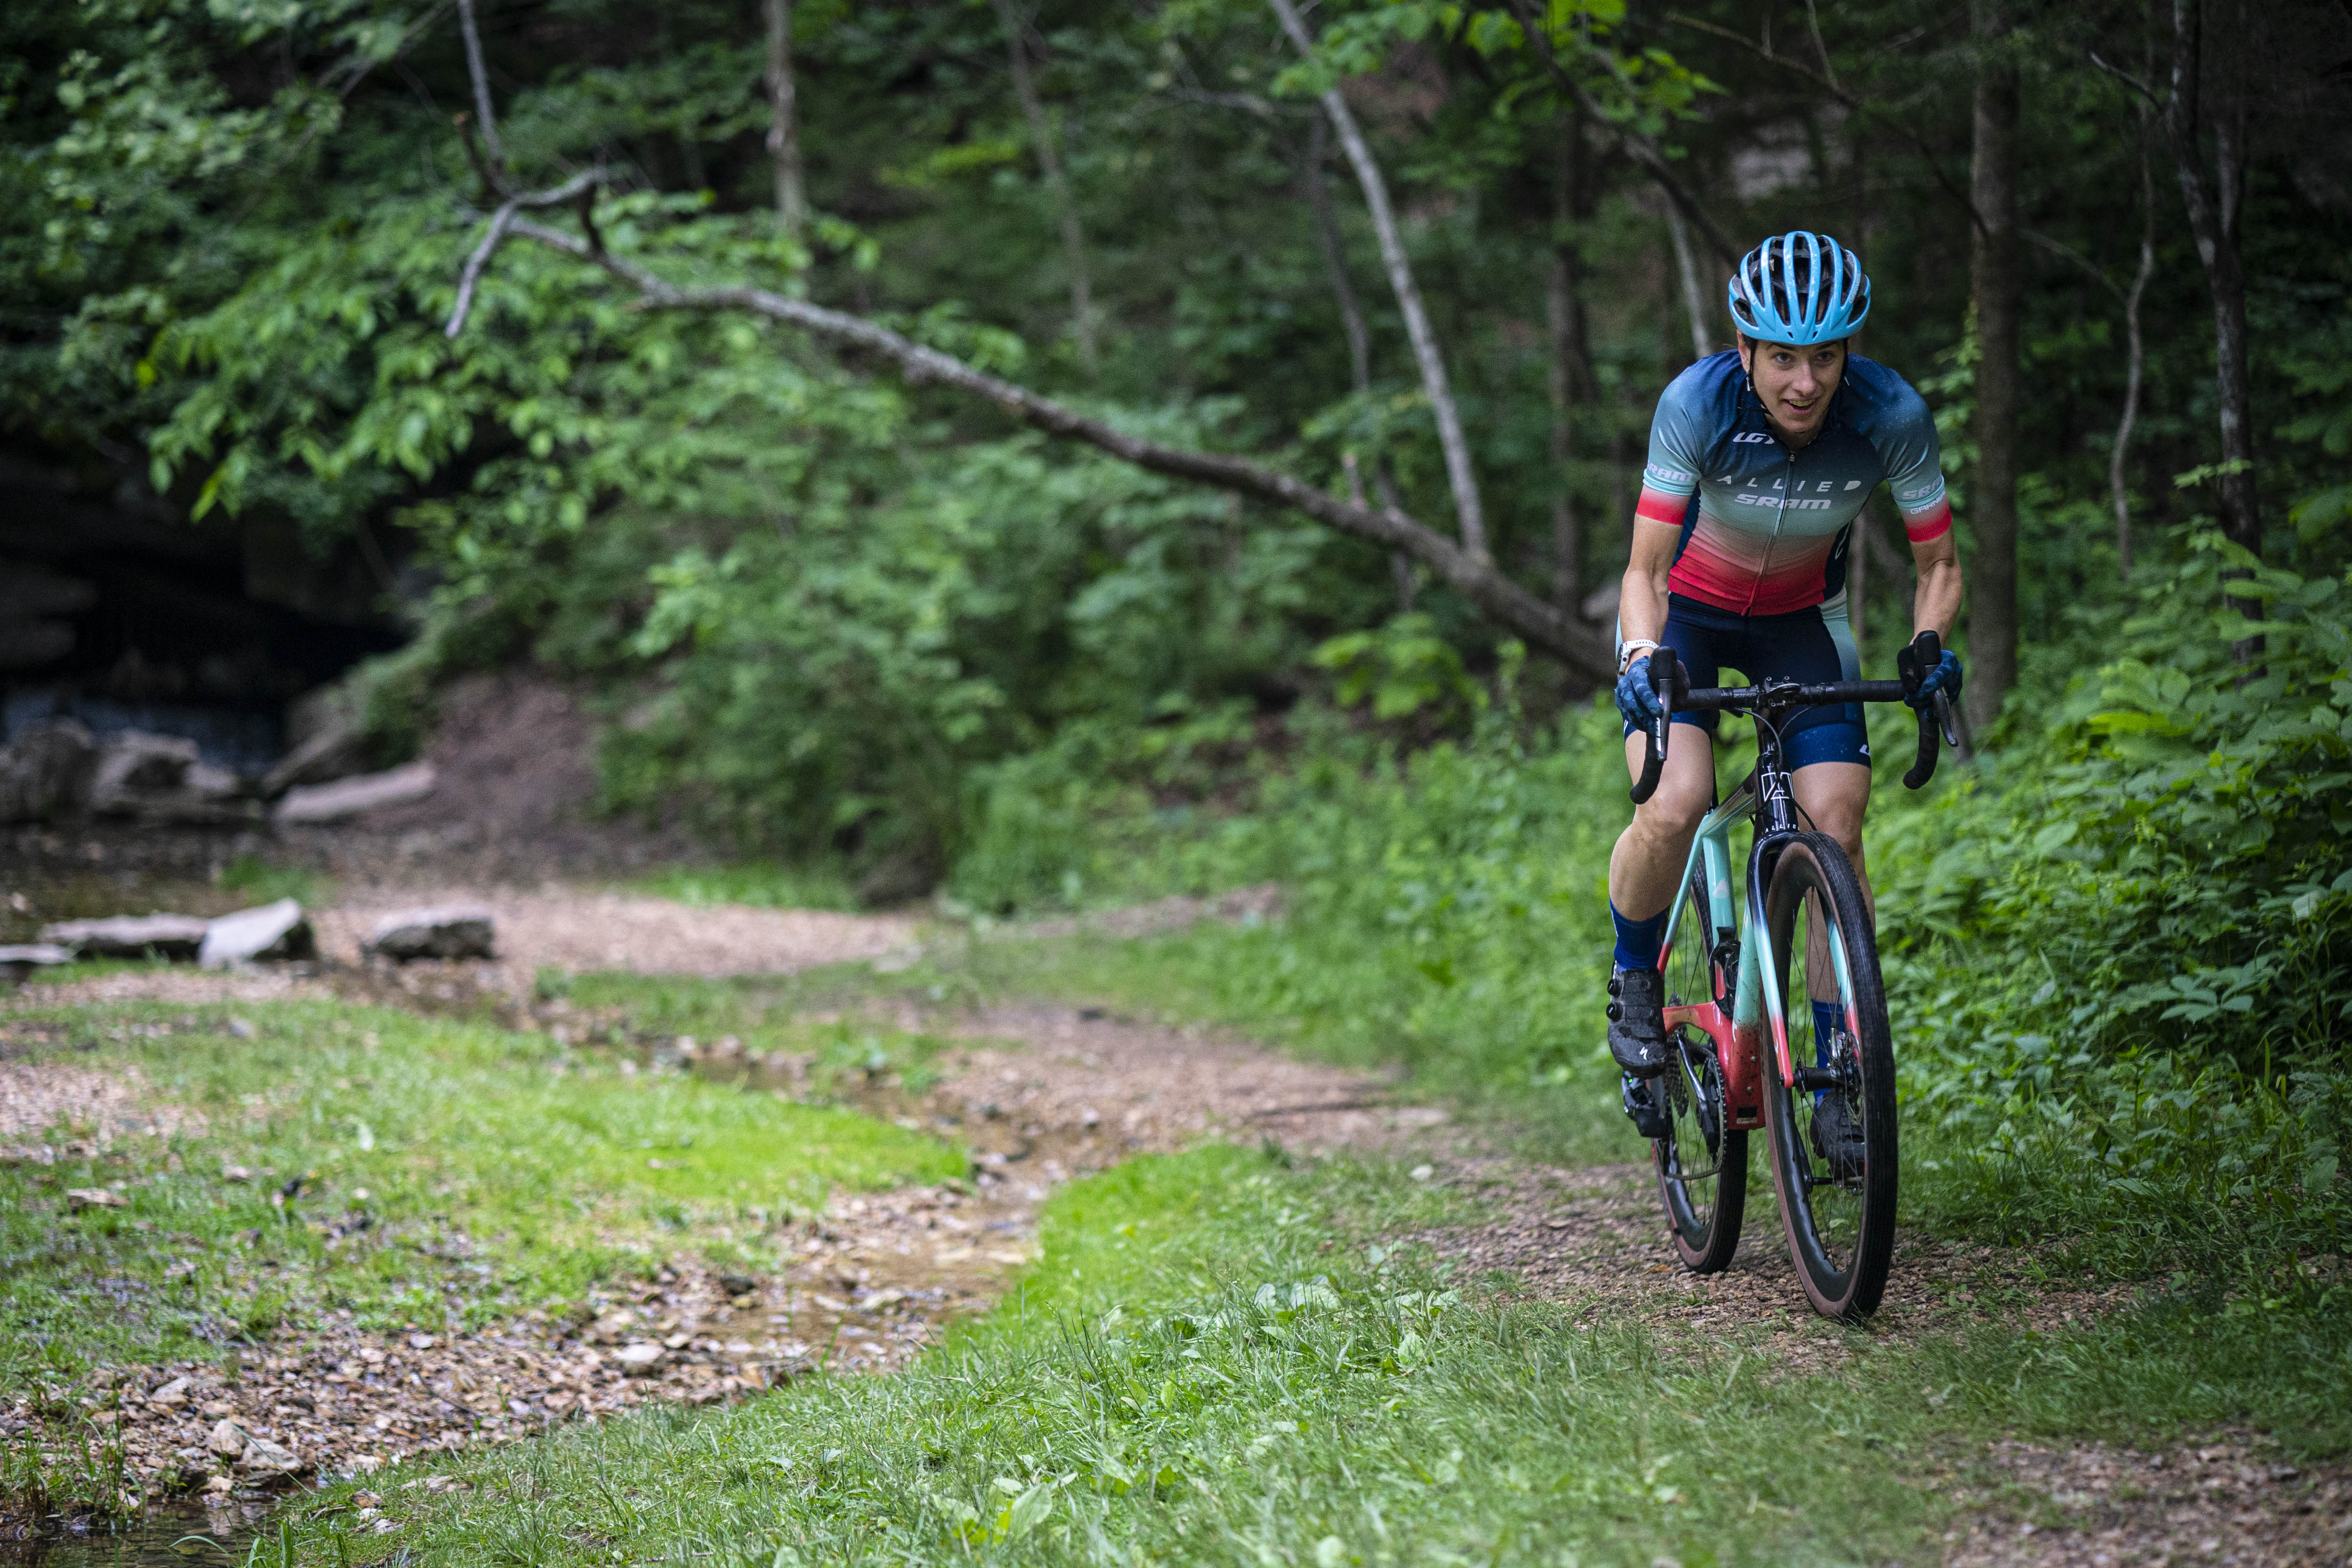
1627, 651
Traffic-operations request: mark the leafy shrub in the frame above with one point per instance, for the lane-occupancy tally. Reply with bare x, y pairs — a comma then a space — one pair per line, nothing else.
2122, 975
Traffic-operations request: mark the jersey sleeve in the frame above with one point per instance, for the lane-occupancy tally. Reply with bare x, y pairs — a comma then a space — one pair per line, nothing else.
1914, 469
1671, 476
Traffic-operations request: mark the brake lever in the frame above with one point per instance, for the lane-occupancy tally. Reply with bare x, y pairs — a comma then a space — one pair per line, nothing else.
1666, 679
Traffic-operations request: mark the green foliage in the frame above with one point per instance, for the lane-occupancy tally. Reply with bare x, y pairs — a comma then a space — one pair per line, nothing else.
2126, 985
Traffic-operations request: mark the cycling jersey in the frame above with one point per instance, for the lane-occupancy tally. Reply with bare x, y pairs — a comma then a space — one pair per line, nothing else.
1764, 531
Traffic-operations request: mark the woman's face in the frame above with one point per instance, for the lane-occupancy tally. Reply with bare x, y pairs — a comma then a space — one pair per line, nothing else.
1794, 384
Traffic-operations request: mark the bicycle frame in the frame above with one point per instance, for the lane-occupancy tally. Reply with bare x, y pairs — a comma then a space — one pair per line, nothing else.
1739, 1036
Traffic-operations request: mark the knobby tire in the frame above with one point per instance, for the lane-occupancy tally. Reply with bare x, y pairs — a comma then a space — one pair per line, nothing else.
1702, 1163
1840, 1221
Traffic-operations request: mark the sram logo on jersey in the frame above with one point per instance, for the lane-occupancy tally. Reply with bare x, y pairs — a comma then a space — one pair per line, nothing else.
1802, 503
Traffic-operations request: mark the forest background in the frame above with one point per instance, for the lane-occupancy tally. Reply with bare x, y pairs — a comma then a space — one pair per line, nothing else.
903, 640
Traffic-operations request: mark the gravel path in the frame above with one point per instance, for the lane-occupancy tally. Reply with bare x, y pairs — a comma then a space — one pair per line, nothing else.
1043, 1094
578, 930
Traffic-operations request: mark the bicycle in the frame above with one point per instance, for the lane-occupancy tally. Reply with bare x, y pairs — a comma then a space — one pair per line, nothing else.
1804, 910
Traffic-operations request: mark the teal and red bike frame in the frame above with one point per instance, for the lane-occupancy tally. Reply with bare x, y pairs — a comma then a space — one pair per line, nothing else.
1745, 1002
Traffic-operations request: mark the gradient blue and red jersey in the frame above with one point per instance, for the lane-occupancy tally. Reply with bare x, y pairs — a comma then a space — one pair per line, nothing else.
1764, 532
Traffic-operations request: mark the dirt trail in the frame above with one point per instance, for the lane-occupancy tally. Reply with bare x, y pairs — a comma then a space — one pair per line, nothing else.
581, 929
1043, 1093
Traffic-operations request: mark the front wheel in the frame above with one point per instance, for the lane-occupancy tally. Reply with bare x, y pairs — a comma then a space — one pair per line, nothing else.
1833, 1133
1703, 1160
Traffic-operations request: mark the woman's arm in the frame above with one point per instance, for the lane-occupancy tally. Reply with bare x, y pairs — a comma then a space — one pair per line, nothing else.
1936, 603
1642, 599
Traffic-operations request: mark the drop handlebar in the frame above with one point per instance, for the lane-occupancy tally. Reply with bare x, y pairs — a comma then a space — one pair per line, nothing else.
1676, 693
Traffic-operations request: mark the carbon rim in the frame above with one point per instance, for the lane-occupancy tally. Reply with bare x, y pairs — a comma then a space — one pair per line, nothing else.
1702, 1161
1837, 1192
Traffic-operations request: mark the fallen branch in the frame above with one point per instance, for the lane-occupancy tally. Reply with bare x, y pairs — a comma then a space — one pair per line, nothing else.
1545, 625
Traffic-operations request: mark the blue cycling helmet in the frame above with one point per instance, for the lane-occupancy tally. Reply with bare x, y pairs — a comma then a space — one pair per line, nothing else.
1800, 288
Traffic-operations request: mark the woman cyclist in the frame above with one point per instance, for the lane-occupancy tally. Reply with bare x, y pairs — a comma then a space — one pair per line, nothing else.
1760, 460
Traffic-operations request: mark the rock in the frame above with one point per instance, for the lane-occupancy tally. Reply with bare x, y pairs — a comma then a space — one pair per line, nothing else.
18, 962
277, 931
264, 1458
47, 772
131, 936
228, 1440
161, 778
639, 1358
134, 762
337, 750
349, 797
456, 931
172, 1395
82, 1198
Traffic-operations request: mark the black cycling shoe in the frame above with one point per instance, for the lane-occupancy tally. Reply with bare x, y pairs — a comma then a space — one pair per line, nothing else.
1650, 1118
1637, 1030
1837, 1135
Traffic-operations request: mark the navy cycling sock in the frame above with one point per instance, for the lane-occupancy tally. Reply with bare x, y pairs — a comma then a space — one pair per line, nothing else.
1828, 1019
1637, 941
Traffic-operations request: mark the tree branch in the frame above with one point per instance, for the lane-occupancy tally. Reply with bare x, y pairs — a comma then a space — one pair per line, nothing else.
2065, 252
2123, 77
1852, 101
1467, 508
581, 187
1547, 626
1642, 149
500, 222
481, 84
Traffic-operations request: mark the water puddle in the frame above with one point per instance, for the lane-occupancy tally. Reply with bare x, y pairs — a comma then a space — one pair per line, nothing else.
174, 1536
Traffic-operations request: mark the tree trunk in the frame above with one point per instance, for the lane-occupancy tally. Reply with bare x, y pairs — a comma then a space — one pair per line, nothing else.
1335, 259
1434, 381
2137, 349
1074, 240
1693, 304
1359, 340
784, 122
2214, 211
1996, 279
1569, 376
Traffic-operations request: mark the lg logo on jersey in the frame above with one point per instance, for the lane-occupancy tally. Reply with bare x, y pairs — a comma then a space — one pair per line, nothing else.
1749, 435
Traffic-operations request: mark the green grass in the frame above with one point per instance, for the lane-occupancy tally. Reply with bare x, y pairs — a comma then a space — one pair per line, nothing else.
762, 1014
473, 1172
1216, 1360
262, 882
1242, 977
767, 885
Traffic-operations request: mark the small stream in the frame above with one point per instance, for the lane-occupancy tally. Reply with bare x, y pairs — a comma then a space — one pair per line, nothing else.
174, 1535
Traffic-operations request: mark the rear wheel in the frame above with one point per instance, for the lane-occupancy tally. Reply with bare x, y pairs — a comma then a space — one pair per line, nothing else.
1831, 1135
1702, 1163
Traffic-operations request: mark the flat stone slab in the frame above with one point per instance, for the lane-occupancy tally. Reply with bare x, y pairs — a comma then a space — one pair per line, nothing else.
347, 798
278, 930
17, 961
176, 937
455, 930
